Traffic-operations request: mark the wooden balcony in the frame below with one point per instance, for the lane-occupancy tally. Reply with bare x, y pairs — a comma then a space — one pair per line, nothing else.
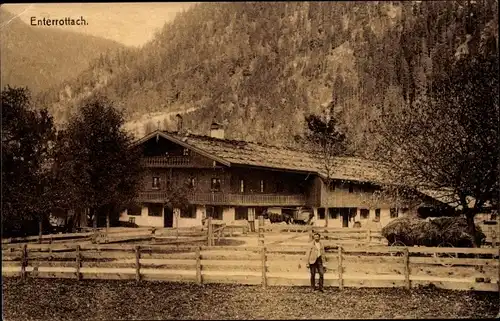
218, 198
167, 161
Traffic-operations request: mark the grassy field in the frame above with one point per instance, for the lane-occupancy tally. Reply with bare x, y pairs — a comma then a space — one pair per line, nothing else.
59, 299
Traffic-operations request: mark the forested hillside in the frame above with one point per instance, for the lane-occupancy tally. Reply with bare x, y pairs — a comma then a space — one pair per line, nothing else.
259, 67
41, 58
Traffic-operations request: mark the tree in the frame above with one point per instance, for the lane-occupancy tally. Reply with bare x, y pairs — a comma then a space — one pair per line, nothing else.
448, 140
27, 141
102, 166
325, 141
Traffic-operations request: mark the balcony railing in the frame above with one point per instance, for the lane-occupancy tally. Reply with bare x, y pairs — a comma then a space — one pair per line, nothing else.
166, 161
218, 198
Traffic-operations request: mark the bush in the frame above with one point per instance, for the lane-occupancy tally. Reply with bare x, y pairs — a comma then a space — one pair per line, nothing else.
414, 231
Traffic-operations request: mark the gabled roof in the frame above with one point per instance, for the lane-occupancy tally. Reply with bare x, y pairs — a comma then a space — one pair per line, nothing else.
180, 140
235, 152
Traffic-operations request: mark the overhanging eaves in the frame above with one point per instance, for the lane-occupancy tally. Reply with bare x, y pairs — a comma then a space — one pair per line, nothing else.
183, 144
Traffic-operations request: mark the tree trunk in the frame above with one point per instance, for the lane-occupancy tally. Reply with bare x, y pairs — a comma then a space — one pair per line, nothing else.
94, 218
471, 228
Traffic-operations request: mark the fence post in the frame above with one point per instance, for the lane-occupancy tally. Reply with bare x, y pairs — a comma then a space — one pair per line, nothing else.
78, 262
40, 230
210, 230
407, 268
263, 257
198, 265
498, 268
137, 263
310, 231
261, 230
24, 261
368, 236
341, 269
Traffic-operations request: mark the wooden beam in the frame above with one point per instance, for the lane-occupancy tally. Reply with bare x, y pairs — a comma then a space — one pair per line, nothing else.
198, 266
137, 263
407, 268
263, 258
210, 231
24, 261
261, 230
340, 268
78, 263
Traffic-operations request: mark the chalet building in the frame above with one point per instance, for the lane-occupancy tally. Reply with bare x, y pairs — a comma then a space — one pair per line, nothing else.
234, 181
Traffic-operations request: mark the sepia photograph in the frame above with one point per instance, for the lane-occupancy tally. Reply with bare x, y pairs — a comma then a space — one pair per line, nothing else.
250, 160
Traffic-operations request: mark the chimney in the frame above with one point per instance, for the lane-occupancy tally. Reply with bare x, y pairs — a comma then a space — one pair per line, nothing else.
178, 118
216, 131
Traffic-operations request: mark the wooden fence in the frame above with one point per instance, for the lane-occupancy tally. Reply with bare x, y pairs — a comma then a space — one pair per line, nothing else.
210, 236
296, 234
382, 266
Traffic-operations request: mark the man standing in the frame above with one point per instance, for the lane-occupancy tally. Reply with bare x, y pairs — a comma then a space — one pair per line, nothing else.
315, 257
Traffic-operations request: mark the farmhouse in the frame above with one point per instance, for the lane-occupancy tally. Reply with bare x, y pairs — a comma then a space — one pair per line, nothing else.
236, 181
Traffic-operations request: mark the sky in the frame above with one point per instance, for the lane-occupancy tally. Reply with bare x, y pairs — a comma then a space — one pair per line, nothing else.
132, 24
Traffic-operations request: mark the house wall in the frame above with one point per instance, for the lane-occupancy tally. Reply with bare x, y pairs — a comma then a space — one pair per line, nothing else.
144, 219
385, 218
228, 217
291, 183
362, 195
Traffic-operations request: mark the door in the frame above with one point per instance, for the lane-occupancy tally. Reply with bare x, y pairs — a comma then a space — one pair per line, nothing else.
345, 218
168, 217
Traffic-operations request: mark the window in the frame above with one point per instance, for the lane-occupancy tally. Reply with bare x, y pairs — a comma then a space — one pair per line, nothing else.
185, 152
321, 213
262, 186
242, 186
364, 213
189, 212
134, 210
156, 182
351, 188
280, 188
394, 212
241, 213
155, 210
215, 184
333, 212
214, 212
191, 182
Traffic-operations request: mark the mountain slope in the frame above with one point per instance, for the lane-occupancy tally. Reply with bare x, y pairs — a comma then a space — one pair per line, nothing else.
41, 58
259, 67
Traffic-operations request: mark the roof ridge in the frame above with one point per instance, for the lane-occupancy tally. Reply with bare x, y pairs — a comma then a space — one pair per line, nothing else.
289, 148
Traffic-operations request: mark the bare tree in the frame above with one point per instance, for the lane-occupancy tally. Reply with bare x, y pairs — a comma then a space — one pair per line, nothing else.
447, 141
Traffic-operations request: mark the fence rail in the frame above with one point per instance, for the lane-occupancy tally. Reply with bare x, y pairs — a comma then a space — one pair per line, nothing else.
264, 265
272, 234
